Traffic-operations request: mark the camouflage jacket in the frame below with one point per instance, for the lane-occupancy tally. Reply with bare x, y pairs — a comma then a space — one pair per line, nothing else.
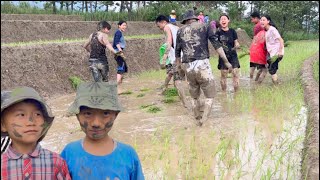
192, 40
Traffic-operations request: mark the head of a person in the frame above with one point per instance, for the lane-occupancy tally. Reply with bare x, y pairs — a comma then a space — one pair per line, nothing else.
189, 17
266, 21
25, 117
104, 26
96, 107
162, 21
122, 25
201, 13
224, 20
255, 17
173, 12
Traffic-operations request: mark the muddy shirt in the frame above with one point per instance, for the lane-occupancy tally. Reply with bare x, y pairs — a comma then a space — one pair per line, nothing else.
192, 40
98, 50
227, 39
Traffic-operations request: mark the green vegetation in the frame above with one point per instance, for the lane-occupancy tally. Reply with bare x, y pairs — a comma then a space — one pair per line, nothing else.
316, 70
145, 106
141, 95
67, 40
193, 154
75, 81
288, 16
126, 92
170, 92
145, 89
153, 109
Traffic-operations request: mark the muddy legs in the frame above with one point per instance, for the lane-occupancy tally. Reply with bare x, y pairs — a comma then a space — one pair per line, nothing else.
200, 116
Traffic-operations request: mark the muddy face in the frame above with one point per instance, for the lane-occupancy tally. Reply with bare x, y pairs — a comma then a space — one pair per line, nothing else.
23, 122
96, 123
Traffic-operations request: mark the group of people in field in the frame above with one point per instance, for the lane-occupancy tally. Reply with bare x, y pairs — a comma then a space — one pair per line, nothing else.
26, 117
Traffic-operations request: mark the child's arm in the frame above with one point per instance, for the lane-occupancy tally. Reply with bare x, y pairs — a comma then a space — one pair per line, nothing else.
280, 53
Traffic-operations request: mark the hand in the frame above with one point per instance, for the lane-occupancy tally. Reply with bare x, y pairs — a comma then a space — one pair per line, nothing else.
162, 66
280, 56
229, 66
165, 57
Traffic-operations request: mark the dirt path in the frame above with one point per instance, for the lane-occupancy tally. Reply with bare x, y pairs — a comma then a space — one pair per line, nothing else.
169, 144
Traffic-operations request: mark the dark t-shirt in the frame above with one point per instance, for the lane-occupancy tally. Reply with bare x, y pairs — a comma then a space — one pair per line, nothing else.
98, 50
227, 39
192, 40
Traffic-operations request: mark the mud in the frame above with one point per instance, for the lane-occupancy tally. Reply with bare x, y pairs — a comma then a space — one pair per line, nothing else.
167, 136
28, 30
48, 67
41, 17
310, 167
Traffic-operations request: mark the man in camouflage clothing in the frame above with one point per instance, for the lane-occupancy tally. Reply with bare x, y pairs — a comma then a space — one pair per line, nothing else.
192, 40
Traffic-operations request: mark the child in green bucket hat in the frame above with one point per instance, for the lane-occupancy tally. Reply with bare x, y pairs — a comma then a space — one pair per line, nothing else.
26, 118
97, 155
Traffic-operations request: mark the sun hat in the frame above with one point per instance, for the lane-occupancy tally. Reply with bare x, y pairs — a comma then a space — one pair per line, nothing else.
188, 15
99, 95
19, 94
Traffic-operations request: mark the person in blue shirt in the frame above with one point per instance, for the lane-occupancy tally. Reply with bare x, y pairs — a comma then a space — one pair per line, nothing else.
173, 17
206, 19
119, 45
97, 155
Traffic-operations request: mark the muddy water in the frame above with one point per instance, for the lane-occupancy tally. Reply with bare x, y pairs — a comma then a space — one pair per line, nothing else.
232, 144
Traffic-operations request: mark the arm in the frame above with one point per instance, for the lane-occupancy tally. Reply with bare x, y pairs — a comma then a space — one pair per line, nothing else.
116, 40
236, 43
280, 53
178, 49
87, 44
169, 43
213, 37
105, 41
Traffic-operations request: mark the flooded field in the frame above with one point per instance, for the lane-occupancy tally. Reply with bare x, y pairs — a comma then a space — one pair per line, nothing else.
237, 142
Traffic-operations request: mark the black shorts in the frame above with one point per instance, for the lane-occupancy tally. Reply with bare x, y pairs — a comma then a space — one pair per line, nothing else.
258, 66
232, 60
273, 67
122, 65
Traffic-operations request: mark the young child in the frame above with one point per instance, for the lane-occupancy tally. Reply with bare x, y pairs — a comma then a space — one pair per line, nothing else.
97, 155
275, 46
229, 40
26, 118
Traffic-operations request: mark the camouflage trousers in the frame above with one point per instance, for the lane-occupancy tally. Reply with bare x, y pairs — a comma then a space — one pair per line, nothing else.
99, 69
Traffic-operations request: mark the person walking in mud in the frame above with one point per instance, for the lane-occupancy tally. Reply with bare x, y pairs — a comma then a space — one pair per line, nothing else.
229, 40
170, 31
192, 40
119, 45
275, 46
96, 45
258, 51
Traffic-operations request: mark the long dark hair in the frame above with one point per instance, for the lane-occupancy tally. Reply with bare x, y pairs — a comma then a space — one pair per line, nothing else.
271, 23
102, 25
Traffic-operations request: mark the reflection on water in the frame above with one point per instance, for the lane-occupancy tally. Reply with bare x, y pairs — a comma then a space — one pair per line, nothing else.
232, 144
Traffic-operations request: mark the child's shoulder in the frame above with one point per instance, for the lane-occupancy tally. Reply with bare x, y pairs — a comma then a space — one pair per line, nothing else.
125, 147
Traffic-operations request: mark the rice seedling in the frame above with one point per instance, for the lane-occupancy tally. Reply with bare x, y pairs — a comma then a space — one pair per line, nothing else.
153, 109
75, 81
126, 92
141, 95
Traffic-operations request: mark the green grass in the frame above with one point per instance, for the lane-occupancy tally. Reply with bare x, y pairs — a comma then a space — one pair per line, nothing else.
141, 95
68, 40
75, 81
188, 154
171, 92
316, 70
153, 109
127, 92
169, 100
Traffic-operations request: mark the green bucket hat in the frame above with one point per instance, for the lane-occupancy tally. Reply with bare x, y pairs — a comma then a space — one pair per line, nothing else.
99, 95
19, 94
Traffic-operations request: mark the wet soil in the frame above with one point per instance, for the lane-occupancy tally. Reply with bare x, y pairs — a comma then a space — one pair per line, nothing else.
311, 150
169, 144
